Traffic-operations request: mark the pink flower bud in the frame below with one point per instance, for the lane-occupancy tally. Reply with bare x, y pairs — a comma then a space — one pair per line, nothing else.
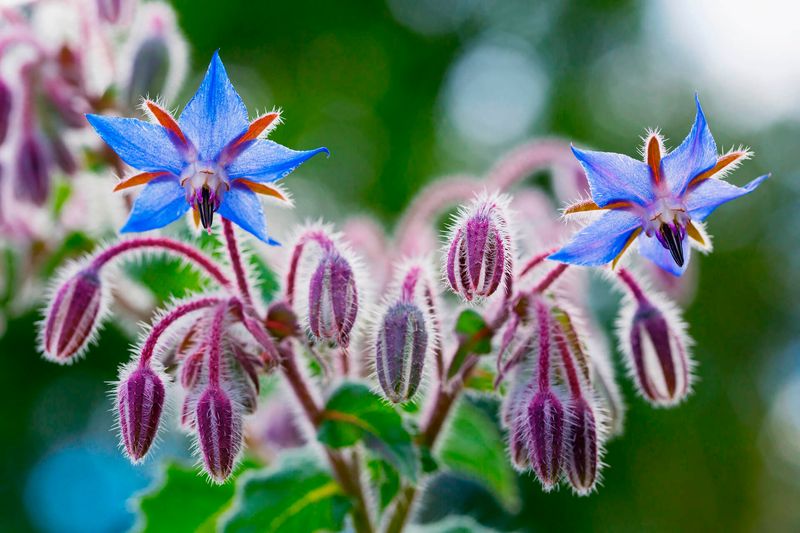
332, 299
140, 400
219, 432
480, 249
582, 447
657, 355
400, 348
546, 445
518, 439
73, 317
33, 178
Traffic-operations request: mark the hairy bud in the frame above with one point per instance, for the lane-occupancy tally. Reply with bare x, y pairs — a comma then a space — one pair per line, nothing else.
73, 316
546, 445
657, 355
33, 178
219, 432
332, 299
400, 348
480, 249
582, 447
518, 439
140, 400
192, 369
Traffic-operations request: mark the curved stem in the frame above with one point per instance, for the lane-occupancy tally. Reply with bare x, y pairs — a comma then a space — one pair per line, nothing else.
550, 278
529, 158
178, 248
236, 261
314, 235
636, 289
543, 364
166, 321
535, 261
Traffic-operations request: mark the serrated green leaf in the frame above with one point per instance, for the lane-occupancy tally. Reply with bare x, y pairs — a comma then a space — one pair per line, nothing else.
473, 446
296, 495
474, 337
268, 284
354, 413
165, 276
183, 500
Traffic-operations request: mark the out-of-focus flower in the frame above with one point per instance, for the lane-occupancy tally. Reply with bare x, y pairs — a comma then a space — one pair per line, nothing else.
663, 199
210, 160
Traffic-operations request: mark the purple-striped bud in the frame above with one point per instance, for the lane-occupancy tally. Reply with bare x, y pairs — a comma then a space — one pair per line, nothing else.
219, 432
546, 445
400, 347
582, 446
480, 249
657, 355
33, 178
73, 317
5, 109
140, 401
332, 299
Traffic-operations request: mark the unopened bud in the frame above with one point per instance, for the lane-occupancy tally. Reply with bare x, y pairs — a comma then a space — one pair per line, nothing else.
73, 317
281, 321
332, 299
658, 357
33, 178
400, 347
546, 445
518, 439
582, 446
480, 249
219, 432
192, 369
140, 401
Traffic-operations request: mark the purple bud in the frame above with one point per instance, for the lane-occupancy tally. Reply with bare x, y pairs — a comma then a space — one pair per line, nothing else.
219, 432
33, 179
657, 355
480, 249
400, 348
192, 369
546, 445
332, 299
140, 400
581, 446
5, 109
73, 317
518, 440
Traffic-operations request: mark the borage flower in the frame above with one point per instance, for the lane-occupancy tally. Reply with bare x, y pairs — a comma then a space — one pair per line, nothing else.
210, 160
663, 200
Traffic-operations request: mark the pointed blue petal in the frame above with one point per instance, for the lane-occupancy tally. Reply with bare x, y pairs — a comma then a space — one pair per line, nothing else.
713, 192
161, 202
241, 206
216, 114
652, 249
599, 242
142, 145
615, 177
697, 153
267, 161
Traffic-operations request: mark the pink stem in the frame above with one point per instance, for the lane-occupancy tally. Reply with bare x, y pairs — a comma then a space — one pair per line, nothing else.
409, 284
530, 157
636, 290
236, 261
162, 243
550, 278
215, 344
291, 277
535, 261
569, 365
543, 370
161, 326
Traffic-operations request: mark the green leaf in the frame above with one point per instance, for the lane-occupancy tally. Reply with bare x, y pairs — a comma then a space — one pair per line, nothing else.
452, 524
474, 447
296, 495
355, 413
385, 479
183, 500
268, 284
474, 337
165, 276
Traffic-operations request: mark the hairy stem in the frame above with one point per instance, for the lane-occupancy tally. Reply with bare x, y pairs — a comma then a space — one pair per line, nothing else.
178, 248
167, 320
636, 290
236, 261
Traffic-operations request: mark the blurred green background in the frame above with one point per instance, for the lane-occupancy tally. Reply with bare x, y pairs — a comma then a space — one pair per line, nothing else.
405, 91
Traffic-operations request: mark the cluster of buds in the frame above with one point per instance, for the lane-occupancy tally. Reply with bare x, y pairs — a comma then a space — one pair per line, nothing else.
58, 61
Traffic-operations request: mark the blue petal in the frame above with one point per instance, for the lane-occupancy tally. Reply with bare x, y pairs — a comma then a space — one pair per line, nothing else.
652, 249
697, 153
216, 114
713, 192
599, 242
241, 206
161, 202
142, 145
615, 177
267, 161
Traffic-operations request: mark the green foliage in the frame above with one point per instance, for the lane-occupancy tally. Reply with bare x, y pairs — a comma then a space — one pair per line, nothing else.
297, 495
474, 337
385, 480
452, 524
473, 446
165, 276
354, 413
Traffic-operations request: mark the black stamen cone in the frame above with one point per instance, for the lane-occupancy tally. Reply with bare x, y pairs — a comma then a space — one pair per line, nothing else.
674, 242
206, 208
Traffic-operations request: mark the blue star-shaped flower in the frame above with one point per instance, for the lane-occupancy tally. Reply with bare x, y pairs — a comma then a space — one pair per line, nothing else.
211, 159
663, 200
